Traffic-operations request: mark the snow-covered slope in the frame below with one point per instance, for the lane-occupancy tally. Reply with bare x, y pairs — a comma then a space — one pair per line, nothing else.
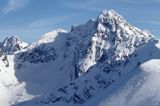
105, 62
142, 89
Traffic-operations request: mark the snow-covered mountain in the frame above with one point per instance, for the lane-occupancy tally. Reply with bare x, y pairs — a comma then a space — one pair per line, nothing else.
12, 44
105, 62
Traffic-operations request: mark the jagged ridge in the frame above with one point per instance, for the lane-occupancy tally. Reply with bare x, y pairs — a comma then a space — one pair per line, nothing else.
90, 57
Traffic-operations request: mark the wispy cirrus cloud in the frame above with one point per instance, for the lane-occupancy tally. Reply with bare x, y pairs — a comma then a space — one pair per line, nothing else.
13, 5
94, 5
88, 5
150, 21
49, 21
154, 22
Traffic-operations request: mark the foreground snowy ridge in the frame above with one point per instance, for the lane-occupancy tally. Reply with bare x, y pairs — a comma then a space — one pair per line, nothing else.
105, 62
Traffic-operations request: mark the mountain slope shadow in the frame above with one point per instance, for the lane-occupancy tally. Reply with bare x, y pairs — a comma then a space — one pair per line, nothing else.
99, 52
143, 54
36, 66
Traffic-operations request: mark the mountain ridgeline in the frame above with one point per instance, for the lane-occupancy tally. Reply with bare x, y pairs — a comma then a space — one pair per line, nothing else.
83, 66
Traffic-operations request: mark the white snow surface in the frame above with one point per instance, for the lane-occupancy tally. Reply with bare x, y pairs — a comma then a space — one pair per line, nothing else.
105, 62
139, 89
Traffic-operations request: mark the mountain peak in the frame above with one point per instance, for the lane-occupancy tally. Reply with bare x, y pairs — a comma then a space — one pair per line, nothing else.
12, 39
50, 36
111, 20
12, 44
109, 14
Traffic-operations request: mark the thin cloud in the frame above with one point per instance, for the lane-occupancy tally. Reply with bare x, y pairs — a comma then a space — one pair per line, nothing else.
85, 5
13, 5
94, 5
153, 22
48, 21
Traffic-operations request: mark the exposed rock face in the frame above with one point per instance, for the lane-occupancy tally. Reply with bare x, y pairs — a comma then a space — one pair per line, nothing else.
12, 44
73, 66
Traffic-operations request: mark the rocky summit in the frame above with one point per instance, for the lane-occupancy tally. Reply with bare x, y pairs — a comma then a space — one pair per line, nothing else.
104, 62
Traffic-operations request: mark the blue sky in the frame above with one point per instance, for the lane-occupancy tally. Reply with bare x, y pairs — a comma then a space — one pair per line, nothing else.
29, 19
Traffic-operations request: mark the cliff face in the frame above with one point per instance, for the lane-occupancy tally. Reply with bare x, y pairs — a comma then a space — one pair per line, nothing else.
73, 67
